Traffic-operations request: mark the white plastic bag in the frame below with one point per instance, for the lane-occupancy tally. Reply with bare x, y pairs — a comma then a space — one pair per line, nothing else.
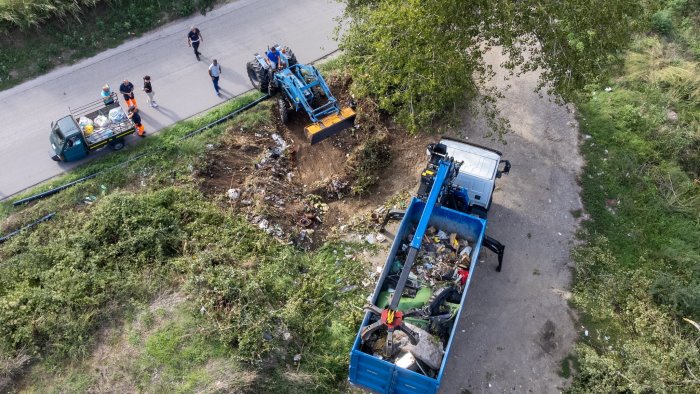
102, 121
84, 121
117, 115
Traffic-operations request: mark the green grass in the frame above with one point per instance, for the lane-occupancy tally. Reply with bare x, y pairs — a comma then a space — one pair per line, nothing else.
38, 35
638, 275
150, 230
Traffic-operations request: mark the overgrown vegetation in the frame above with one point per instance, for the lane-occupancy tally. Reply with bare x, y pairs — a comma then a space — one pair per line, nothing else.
638, 275
424, 60
37, 35
252, 302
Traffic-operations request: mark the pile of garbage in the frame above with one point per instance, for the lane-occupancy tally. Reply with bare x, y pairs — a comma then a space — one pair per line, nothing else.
434, 287
102, 127
443, 257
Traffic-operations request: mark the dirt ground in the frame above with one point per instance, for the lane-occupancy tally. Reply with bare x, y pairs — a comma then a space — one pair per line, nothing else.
302, 193
516, 326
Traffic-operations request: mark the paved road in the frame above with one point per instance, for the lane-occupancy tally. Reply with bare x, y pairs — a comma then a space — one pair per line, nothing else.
232, 33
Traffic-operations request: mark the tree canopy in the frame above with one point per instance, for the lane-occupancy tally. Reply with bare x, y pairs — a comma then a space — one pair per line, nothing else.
422, 59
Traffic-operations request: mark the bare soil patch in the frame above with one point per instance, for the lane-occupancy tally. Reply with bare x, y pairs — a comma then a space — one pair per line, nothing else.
300, 192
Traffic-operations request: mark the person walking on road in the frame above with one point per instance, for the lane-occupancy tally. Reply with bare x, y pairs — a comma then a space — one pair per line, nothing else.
215, 73
194, 37
136, 118
149, 91
127, 90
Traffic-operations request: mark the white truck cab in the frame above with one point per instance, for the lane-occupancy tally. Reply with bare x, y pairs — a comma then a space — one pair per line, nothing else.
478, 172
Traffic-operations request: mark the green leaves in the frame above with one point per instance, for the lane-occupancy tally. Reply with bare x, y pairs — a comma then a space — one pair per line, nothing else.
423, 60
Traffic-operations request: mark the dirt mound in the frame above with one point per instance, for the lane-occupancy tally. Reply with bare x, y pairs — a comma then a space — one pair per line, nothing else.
298, 192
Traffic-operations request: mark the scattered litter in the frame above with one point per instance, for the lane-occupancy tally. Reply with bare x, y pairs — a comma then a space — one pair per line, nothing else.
286, 336
297, 358
281, 145
348, 288
672, 116
585, 332
371, 239
381, 238
233, 194
608, 89
336, 188
89, 199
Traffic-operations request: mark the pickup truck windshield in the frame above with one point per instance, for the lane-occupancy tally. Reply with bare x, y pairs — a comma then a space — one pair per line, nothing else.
58, 134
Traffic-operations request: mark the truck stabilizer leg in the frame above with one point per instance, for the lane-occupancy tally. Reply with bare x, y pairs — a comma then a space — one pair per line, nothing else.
496, 247
393, 214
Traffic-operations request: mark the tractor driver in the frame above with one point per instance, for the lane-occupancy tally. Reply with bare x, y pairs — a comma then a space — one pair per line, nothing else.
274, 58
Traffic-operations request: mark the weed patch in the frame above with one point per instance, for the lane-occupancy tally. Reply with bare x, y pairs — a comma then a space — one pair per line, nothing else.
637, 275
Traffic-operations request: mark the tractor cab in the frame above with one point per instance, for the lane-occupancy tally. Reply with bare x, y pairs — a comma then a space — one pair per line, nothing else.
66, 140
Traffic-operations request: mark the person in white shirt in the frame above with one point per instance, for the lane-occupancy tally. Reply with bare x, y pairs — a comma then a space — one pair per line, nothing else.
215, 73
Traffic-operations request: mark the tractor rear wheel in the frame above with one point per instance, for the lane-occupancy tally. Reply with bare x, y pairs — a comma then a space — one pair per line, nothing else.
258, 76
283, 110
292, 58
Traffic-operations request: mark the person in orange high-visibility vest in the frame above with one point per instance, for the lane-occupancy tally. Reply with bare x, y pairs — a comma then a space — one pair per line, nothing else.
136, 118
127, 90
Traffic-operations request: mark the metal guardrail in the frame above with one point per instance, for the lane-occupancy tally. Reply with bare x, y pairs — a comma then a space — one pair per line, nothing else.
12, 234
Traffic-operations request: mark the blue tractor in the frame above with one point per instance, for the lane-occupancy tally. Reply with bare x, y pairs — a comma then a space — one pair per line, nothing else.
300, 87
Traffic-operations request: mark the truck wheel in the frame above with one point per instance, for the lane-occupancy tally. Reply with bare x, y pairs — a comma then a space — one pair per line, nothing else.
258, 76
283, 111
117, 145
291, 57
479, 211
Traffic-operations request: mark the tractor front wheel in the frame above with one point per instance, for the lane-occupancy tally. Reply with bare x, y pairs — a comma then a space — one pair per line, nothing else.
283, 110
259, 77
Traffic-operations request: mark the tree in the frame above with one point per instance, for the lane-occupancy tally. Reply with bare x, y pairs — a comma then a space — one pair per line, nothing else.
422, 59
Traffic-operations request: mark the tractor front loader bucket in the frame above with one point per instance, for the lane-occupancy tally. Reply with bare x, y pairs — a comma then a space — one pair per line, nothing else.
330, 125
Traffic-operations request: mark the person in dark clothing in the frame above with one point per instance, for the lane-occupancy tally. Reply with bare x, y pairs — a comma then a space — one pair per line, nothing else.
194, 38
127, 90
136, 118
148, 88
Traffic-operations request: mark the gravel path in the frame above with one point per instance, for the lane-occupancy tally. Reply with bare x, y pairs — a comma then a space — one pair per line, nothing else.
517, 326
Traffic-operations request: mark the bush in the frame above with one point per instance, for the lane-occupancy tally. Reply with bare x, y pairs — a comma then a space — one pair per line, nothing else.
661, 22
60, 281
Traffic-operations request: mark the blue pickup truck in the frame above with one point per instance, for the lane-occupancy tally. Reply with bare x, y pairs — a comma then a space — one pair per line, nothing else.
453, 216
71, 142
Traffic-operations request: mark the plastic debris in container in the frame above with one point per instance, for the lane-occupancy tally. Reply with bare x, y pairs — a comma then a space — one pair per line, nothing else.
434, 287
